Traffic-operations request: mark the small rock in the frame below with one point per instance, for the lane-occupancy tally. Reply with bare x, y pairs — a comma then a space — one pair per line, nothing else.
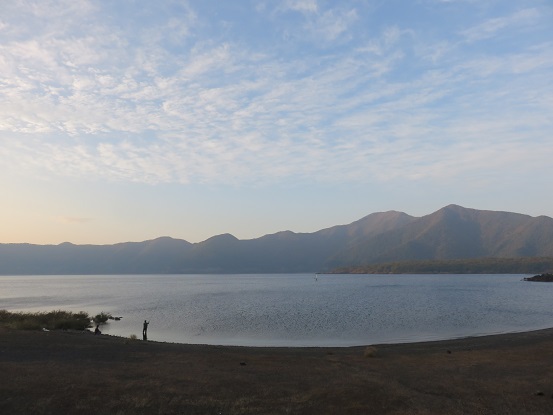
242, 363
539, 393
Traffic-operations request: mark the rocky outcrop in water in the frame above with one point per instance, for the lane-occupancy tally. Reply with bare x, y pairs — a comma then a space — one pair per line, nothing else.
547, 277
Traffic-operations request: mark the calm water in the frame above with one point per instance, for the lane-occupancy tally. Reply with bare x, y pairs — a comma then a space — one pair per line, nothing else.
293, 310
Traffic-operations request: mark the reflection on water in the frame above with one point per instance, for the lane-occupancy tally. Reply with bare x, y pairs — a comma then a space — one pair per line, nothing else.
293, 310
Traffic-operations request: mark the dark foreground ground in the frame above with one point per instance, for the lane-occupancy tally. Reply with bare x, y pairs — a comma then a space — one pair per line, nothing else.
78, 373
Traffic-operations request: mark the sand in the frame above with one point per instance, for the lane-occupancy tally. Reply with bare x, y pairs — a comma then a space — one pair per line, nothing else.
80, 373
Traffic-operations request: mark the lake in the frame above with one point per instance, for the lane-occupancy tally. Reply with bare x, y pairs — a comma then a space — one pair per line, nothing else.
293, 310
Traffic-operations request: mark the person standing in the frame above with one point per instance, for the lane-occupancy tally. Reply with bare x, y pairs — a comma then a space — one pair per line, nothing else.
145, 330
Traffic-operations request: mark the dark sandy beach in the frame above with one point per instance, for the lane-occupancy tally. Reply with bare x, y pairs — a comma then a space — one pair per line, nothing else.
79, 373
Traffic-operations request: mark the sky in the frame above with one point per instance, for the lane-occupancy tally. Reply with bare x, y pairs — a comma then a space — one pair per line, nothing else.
129, 120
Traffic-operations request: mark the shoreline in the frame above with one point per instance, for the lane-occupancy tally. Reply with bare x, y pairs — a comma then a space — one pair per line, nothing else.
493, 337
80, 373
345, 344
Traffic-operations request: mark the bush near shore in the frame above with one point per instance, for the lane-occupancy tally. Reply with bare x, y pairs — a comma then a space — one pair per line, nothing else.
53, 320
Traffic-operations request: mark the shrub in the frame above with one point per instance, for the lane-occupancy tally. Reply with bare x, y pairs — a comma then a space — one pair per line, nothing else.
370, 351
102, 318
26, 324
52, 320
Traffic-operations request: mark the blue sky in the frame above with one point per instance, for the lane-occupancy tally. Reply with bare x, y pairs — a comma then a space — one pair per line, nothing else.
130, 120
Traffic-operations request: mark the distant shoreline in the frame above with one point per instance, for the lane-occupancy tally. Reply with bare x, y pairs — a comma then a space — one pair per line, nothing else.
522, 265
526, 265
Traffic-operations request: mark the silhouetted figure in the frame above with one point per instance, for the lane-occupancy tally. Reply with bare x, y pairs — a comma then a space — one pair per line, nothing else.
145, 330
97, 331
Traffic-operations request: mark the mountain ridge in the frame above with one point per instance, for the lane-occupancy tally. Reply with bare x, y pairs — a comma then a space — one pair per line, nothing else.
450, 233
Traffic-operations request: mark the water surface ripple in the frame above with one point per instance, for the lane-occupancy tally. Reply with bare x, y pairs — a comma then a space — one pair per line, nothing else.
293, 310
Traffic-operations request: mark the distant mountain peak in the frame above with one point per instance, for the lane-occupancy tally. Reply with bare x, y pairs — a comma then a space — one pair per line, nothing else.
66, 244
167, 241
220, 239
224, 236
453, 206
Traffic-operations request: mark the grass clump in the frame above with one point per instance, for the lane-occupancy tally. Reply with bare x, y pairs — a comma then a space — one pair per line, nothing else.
370, 351
53, 320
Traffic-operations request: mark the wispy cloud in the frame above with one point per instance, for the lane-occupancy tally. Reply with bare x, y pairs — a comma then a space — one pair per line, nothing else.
332, 24
166, 107
305, 6
491, 27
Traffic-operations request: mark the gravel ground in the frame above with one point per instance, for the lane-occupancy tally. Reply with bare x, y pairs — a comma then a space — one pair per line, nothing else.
80, 373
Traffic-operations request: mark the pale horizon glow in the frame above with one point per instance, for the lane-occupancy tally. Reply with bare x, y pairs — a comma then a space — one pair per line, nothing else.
130, 120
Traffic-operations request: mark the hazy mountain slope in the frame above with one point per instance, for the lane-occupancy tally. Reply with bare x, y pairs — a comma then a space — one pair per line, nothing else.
301, 252
284, 251
370, 225
158, 255
533, 238
424, 238
452, 232
218, 254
